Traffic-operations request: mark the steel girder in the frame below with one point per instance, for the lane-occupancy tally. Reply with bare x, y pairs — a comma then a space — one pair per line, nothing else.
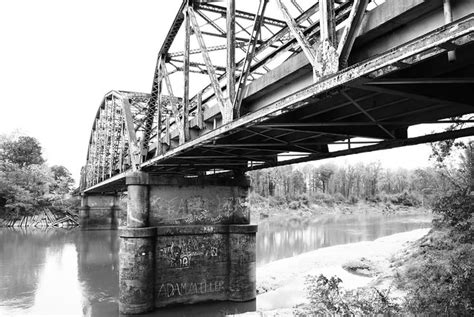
256, 41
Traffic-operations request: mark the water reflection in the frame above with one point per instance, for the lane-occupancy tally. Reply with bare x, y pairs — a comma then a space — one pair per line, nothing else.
58, 288
97, 258
286, 238
36, 268
75, 273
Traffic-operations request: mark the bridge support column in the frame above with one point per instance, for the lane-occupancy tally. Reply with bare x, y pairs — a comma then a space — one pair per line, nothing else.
136, 276
137, 244
138, 202
84, 212
99, 212
187, 240
242, 259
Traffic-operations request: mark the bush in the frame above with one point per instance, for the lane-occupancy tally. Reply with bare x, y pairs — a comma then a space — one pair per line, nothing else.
382, 197
70, 204
353, 200
326, 297
320, 197
323, 198
294, 204
439, 279
406, 199
339, 198
456, 211
275, 201
254, 198
303, 199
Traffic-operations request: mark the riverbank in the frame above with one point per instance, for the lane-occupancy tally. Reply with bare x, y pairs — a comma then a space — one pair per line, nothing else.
42, 219
263, 212
281, 284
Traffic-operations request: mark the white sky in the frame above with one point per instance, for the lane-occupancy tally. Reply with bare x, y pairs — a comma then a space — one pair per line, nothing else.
58, 58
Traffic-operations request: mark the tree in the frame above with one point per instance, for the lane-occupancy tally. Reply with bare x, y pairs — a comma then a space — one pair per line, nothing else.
27, 184
26, 189
63, 181
298, 183
24, 151
325, 173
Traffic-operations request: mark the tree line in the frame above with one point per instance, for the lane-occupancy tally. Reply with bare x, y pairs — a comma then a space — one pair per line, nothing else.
350, 182
27, 183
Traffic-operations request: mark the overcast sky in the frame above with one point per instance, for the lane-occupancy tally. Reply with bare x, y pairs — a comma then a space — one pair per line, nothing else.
58, 58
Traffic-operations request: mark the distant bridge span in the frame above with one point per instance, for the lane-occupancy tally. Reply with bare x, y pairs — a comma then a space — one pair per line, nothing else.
297, 78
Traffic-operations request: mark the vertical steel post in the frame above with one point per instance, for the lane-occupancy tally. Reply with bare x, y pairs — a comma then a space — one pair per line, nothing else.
159, 148
448, 18
328, 28
231, 50
187, 33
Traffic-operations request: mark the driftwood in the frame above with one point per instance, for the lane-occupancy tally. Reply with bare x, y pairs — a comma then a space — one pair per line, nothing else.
44, 219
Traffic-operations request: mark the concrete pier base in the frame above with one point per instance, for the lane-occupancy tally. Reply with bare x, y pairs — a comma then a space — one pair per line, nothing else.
136, 279
187, 240
242, 263
204, 263
99, 212
84, 211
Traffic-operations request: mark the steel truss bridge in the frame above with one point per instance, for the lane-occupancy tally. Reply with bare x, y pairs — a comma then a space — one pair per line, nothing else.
240, 85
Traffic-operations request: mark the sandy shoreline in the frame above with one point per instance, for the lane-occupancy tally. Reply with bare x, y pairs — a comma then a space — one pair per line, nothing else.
281, 283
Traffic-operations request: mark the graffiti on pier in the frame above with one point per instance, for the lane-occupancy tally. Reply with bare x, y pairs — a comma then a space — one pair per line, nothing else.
201, 209
202, 217
179, 254
175, 257
186, 289
242, 244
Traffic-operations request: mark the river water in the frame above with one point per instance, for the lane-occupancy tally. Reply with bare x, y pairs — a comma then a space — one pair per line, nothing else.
75, 273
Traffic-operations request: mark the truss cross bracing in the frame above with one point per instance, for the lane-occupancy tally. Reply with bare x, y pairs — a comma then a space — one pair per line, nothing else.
241, 85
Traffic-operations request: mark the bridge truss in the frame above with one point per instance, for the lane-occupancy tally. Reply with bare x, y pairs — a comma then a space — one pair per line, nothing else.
287, 82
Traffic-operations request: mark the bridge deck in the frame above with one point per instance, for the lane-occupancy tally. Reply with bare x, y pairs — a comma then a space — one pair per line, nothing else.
377, 99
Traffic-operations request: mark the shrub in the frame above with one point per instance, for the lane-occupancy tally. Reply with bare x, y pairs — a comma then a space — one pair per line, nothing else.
272, 202
406, 199
339, 198
320, 197
254, 198
456, 211
303, 199
275, 201
70, 204
294, 204
353, 200
382, 197
326, 297
323, 198
439, 279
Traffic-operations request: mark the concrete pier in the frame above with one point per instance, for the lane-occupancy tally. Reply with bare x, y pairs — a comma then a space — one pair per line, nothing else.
99, 212
187, 240
136, 279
